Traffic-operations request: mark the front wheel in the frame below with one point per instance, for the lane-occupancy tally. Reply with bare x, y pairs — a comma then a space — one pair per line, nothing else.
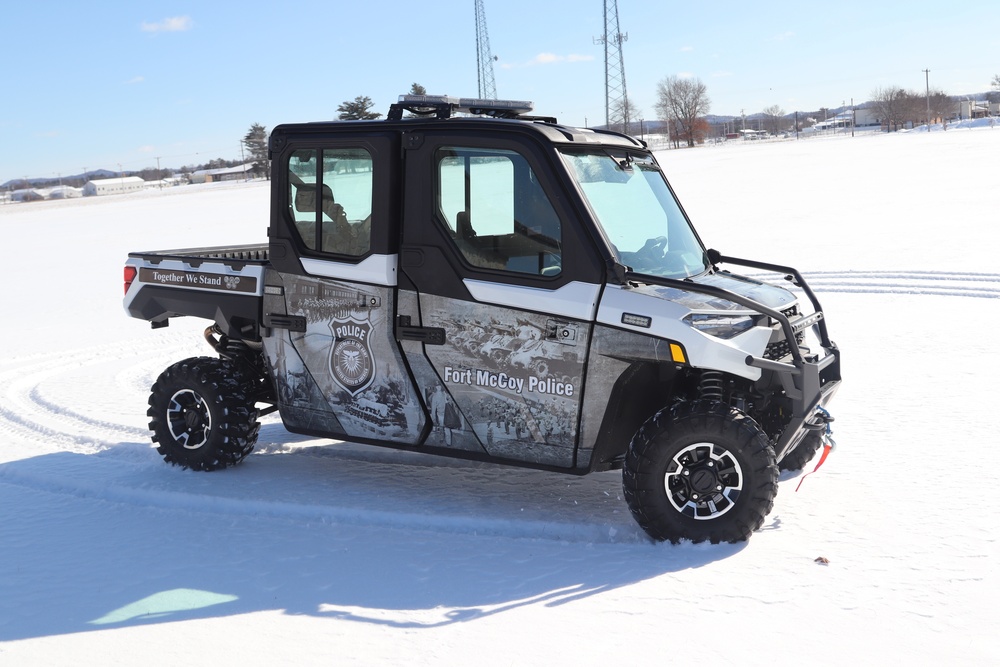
803, 452
700, 471
202, 414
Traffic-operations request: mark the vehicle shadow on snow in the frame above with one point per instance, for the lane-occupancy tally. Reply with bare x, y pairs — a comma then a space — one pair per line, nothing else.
118, 539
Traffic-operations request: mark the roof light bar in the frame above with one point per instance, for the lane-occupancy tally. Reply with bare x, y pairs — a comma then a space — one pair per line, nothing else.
472, 105
427, 100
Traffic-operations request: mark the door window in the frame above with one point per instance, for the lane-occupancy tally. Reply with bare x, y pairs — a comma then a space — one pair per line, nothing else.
496, 212
330, 199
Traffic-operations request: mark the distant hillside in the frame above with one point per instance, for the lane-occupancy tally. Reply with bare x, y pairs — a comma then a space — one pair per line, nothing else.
66, 180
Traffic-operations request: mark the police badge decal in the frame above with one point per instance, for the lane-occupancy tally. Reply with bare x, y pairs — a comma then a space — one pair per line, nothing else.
352, 363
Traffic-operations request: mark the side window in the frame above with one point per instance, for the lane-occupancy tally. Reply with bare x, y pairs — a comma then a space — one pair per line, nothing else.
330, 199
497, 212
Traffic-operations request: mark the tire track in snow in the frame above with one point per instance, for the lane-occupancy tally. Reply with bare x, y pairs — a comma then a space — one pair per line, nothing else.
29, 412
929, 283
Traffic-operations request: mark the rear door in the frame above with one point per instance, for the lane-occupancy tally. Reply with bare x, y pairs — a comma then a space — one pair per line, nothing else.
498, 292
330, 304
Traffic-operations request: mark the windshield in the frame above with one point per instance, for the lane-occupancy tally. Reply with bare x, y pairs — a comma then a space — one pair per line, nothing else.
639, 214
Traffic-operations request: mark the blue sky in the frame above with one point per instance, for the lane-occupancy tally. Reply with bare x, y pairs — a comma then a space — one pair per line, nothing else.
106, 83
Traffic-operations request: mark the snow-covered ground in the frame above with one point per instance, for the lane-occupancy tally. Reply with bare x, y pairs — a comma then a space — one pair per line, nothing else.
312, 553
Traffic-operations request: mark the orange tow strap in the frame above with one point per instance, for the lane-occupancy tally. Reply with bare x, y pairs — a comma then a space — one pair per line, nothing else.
828, 445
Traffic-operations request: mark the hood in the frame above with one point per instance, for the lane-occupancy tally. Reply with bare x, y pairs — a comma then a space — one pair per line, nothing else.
765, 294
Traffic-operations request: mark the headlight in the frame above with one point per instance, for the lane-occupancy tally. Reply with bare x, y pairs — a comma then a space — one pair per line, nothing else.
720, 326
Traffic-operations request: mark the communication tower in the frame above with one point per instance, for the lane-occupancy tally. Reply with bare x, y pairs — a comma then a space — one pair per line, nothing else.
484, 57
616, 107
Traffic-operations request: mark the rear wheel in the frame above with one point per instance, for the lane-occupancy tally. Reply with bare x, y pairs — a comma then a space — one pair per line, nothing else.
700, 471
202, 414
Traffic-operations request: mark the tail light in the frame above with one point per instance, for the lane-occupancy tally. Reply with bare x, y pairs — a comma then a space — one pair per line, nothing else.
130, 274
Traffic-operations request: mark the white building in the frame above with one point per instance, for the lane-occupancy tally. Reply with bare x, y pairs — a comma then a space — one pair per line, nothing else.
857, 117
65, 192
240, 172
113, 186
975, 109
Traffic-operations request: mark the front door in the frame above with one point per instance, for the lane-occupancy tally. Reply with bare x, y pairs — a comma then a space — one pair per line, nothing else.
497, 299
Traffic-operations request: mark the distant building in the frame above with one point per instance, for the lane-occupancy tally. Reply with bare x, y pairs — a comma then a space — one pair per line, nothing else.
240, 172
974, 109
27, 194
858, 117
113, 186
65, 192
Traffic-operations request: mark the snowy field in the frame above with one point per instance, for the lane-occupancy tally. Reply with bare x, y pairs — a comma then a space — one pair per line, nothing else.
311, 553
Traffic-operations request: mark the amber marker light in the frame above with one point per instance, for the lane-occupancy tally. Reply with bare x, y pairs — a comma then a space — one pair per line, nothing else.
677, 353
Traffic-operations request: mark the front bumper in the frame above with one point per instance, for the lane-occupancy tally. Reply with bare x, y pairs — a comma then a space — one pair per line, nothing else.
810, 384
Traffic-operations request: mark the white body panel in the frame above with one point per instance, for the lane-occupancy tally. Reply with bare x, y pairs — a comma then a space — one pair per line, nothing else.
374, 270
704, 351
174, 273
575, 300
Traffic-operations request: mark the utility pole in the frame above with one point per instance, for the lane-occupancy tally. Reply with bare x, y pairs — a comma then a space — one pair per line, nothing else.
159, 176
484, 57
616, 105
927, 81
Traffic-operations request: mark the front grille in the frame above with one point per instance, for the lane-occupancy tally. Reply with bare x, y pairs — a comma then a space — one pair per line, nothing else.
777, 351
780, 349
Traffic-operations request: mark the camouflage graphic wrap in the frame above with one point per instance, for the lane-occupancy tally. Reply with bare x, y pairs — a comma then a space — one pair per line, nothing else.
516, 377
331, 381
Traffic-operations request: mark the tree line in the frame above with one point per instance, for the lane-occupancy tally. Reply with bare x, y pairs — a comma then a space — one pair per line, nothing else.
682, 104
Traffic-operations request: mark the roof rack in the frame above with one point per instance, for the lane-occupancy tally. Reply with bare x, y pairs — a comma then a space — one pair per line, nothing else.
444, 106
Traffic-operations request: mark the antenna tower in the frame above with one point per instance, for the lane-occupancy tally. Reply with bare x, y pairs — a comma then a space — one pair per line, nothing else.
616, 107
484, 57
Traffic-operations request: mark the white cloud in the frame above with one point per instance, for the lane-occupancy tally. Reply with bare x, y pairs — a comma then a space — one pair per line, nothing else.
685, 49
146, 149
721, 74
135, 79
783, 36
172, 24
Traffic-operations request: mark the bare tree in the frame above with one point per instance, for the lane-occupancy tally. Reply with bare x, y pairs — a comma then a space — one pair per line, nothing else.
994, 95
681, 102
773, 117
890, 104
941, 106
628, 112
914, 108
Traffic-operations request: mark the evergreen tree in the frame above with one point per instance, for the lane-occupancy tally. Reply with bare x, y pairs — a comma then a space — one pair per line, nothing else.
359, 109
256, 145
416, 89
